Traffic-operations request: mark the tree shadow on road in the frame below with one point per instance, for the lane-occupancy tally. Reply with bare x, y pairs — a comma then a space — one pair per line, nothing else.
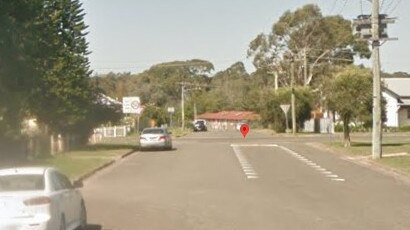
94, 227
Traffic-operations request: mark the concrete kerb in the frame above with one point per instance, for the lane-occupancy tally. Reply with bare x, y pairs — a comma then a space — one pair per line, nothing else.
94, 171
366, 162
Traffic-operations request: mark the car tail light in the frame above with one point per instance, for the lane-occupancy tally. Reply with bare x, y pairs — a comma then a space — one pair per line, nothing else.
41, 200
162, 137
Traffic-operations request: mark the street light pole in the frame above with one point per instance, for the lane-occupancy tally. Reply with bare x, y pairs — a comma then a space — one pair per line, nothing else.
377, 134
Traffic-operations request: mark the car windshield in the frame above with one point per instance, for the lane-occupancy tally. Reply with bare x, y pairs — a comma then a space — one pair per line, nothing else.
10, 183
153, 131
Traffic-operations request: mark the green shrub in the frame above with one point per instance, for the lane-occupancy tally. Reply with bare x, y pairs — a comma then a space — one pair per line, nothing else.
405, 128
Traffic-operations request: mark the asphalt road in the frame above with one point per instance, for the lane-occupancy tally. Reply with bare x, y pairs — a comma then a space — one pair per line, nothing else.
223, 181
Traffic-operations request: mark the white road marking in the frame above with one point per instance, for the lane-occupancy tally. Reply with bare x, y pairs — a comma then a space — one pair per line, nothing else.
254, 145
251, 174
245, 165
312, 164
252, 177
332, 175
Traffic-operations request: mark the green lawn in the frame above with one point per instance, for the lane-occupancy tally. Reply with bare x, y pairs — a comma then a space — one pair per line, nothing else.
401, 163
364, 148
80, 162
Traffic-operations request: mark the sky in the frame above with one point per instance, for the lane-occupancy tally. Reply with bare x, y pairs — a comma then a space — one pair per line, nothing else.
132, 35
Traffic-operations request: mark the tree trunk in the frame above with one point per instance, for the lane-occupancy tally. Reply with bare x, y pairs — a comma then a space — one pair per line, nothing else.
52, 145
60, 143
346, 132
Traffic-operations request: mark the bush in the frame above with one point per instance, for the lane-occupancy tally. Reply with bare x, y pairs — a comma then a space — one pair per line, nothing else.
272, 115
405, 128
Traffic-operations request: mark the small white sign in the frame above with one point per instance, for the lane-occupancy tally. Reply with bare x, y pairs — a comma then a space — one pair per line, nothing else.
285, 108
171, 110
131, 105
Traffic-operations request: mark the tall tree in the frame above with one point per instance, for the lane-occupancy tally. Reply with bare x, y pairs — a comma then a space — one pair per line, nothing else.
64, 98
18, 47
306, 36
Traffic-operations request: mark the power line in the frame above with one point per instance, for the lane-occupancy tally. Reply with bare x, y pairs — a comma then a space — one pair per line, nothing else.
395, 7
389, 6
343, 7
361, 7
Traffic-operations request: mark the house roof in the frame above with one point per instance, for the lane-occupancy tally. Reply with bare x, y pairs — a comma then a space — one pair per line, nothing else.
106, 100
229, 115
400, 86
406, 102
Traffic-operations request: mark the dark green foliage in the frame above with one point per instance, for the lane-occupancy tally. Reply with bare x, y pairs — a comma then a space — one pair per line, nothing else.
44, 69
272, 114
350, 95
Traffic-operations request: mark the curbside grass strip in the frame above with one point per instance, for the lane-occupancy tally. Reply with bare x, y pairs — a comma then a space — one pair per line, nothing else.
366, 162
105, 165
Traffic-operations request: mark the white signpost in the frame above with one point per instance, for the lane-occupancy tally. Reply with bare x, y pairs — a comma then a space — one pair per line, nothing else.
285, 109
171, 110
131, 105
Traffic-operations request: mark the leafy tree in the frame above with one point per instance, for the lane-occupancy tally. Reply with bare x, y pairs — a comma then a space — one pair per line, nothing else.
231, 86
272, 114
18, 48
161, 83
350, 95
323, 39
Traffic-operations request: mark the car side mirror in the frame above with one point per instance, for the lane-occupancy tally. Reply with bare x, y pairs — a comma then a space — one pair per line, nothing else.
78, 184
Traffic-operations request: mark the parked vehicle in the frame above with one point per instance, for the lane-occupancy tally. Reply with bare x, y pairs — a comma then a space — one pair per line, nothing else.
40, 198
200, 125
155, 138
238, 125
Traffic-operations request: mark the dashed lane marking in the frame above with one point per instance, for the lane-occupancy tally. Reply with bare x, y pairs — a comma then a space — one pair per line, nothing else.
251, 174
313, 165
246, 166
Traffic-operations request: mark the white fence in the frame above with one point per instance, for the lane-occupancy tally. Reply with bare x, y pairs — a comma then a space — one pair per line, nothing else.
116, 131
323, 125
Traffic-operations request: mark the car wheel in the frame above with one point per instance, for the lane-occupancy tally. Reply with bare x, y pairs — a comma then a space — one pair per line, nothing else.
62, 223
83, 217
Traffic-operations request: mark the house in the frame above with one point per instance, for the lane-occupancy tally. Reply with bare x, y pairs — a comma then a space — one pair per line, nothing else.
227, 120
396, 92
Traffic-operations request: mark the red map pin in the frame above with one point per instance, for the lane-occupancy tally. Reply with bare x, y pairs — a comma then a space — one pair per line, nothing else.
244, 129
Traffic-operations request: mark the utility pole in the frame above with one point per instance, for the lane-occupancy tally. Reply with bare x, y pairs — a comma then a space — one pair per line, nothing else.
377, 124
182, 106
195, 112
292, 83
305, 66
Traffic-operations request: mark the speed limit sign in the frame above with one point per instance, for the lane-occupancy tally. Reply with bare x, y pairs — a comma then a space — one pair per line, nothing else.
131, 105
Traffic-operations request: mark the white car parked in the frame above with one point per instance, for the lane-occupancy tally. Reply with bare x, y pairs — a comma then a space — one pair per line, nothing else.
39, 198
155, 138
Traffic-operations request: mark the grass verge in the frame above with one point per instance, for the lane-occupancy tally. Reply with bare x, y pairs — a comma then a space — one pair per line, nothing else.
178, 132
400, 163
78, 163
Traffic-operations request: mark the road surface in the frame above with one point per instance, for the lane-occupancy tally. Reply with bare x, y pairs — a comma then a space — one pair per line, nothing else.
223, 181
